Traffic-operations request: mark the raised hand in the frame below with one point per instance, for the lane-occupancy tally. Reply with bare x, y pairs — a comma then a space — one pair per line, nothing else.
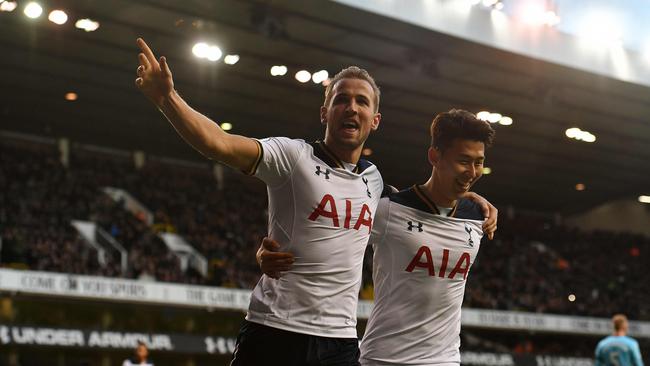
154, 76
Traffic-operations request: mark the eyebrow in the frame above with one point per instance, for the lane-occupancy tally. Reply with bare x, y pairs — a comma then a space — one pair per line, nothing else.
345, 94
472, 158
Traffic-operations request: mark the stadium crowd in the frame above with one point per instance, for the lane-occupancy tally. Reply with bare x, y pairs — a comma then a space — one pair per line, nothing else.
534, 264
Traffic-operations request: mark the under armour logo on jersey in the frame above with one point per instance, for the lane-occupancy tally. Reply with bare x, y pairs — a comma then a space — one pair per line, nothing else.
468, 229
326, 173
365, 181
411, 226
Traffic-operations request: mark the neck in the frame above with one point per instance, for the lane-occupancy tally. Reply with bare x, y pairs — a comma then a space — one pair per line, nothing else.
344, 153
431, 189
619, 333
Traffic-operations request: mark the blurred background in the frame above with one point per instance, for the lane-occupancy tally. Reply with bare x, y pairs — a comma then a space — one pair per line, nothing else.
113, 230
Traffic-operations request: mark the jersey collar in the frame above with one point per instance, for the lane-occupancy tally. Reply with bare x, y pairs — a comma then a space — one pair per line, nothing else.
429, 203
325, 154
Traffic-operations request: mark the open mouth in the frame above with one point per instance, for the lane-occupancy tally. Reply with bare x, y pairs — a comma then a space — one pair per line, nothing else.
350, 125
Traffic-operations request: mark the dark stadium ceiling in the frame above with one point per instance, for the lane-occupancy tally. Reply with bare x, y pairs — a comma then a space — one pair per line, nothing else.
420, 73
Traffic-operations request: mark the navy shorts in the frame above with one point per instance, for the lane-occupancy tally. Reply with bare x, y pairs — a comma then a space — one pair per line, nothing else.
259, 345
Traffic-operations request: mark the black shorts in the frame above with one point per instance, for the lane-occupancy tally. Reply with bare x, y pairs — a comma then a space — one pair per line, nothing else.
259, 345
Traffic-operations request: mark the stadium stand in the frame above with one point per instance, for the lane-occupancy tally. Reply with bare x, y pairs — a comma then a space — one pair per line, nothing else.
533, 265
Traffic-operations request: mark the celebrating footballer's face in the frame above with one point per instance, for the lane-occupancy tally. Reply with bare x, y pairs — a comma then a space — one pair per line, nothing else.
457, 152
350, 114
457, 167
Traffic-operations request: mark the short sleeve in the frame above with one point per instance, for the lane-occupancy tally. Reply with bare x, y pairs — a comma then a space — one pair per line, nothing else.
381, 222
278, 157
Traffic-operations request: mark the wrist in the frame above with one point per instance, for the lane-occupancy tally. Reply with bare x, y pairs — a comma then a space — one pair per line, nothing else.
166, 103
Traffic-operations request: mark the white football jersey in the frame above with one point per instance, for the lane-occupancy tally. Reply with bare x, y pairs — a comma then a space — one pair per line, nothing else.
420, 268
323, 214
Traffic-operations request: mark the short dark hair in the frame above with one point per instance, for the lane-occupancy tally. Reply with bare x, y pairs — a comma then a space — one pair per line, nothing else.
459, 124
352, 72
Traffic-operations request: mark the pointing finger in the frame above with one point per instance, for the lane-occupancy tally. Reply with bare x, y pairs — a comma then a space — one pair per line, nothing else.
147, 51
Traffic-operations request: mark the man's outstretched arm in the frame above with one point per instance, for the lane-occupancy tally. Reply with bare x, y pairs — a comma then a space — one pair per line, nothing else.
155, 81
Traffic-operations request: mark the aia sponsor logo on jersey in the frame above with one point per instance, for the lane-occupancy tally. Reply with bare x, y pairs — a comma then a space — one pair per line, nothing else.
327, 208
438, 268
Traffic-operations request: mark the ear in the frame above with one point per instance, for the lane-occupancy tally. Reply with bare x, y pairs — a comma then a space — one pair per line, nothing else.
323, 115
375, 121
434, 156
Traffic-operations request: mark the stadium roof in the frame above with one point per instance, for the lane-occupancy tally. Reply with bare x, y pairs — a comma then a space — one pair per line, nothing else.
421, 72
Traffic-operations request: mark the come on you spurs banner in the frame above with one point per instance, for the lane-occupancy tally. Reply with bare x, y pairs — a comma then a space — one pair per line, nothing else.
115, 289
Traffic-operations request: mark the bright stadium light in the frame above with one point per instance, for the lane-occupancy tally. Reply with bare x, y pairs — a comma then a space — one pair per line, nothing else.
487, 170
533, 13
231, 59
226, 126
86, 24
320, 76
8, 6
572, 297
580, 187
33, 10
494, 117
483, 115
572, 132
551, 18
588, 137
366, 151
214, 53
536, 13
580, 135
303, 76
58, 17
201, 50
279, 70
644, 199
505, 121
